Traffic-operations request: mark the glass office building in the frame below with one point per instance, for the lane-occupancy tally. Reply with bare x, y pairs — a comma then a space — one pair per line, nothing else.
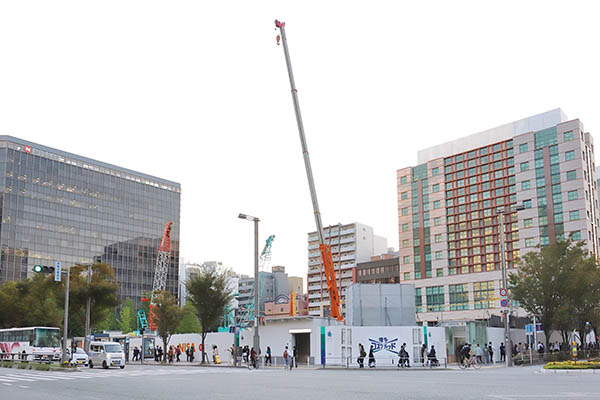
57, 206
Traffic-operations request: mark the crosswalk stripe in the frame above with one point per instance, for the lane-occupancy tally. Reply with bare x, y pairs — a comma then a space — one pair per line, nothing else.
56, 376
6, 380
35, 376
17, 377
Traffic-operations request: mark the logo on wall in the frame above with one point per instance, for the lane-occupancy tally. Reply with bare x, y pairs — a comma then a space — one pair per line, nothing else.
384, 343
27, 149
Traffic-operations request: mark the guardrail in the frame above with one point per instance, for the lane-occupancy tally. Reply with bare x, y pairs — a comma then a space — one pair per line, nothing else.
27, 357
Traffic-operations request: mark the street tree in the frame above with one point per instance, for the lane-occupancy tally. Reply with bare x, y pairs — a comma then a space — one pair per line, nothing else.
557, 284
189, 322
208, 293
167, 315
127, 316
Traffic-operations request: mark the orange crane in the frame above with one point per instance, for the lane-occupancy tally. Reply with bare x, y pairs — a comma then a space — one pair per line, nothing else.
325, 249
162, 269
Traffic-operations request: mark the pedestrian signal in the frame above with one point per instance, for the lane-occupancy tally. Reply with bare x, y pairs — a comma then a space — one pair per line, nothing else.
37, 268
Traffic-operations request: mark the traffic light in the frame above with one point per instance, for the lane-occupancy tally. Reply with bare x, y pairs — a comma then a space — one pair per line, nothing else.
43, 269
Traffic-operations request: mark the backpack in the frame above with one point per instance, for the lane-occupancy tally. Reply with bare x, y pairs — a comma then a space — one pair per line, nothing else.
285, 354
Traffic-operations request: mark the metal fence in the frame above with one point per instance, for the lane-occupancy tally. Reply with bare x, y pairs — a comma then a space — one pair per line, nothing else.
384, 363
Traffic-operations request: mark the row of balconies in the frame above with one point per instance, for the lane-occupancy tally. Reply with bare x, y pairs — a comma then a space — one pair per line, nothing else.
334, 233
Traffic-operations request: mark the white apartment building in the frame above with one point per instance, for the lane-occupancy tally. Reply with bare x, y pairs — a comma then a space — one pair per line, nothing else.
350, 244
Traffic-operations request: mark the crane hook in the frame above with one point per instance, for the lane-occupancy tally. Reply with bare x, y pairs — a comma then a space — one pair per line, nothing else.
278, 39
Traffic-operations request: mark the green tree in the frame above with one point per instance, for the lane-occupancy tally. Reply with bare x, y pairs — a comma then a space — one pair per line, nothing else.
127, 316
103, 291
560, 285
189, 322
166, 314
208, 294
110, 323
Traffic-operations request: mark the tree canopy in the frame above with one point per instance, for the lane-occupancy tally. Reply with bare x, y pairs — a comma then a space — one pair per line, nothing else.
560, 285
167, 315
208, 294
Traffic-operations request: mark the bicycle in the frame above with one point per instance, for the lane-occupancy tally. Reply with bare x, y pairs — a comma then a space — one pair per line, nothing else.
471, 362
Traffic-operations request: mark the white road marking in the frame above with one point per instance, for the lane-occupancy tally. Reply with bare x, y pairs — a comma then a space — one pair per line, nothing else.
35, 376
24, 387
3, 379
7, 384
19, 378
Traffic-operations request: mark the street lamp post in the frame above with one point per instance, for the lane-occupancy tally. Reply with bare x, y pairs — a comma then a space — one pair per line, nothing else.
65, 356
507, 342
256, 340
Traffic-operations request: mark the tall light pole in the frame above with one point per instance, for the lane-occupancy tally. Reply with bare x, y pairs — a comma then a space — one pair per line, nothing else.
65, 356
87, 310
507, 343
256, 340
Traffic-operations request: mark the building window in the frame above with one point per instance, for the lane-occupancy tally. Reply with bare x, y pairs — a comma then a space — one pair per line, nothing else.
435, 171
435, 188
459, 297
437, 221
405, 211
573, 215
405, 243
572, 194
529, 242
403, 179
438, 237
435, 298
524, 166
404, 227
569, 155
528, 223
483, 294
525, 185
437, 204
439, 272
571, 175
404, 195
523, 148
406, 259
407, 276
568, 136
439, 255
419, 299
576, 235
527, 203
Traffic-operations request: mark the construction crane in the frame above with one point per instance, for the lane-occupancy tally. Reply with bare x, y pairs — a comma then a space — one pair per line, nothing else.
325, 249
161, 270
263, 262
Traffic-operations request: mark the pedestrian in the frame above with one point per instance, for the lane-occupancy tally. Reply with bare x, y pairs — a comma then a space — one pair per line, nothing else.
253, 357
486, 355
295, 358
268, 356
502, 352
361, 356
136, 352
479, 353
540, 349
187, 353
215, 353
192, 351
432, 356
371, 358
178, 352
286, 357
423, 353
171, 354
491, 351
403, 360
246, 354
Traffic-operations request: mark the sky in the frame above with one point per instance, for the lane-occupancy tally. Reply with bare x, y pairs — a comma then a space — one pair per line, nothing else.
197, 92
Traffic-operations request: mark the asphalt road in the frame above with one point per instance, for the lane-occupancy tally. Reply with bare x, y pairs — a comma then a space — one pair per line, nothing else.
189, 382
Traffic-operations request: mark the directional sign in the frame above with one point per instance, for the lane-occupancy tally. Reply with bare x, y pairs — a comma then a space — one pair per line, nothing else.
529, 329
57, 272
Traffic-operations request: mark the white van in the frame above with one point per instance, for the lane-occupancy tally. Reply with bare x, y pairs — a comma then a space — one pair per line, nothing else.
106, 354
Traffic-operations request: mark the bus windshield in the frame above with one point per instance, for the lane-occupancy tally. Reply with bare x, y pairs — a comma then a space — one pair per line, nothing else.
46, 337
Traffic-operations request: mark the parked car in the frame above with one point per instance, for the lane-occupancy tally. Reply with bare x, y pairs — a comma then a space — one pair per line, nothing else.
79, 357
106, 354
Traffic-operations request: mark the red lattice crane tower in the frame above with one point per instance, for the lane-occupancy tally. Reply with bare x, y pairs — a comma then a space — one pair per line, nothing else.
162, 269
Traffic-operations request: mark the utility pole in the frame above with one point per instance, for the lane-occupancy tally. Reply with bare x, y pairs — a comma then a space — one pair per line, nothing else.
87, 310
256, 340
65, 357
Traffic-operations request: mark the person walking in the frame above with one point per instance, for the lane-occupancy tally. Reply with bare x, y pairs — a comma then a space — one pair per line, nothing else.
502, 352
361, 356
491, 352
268, 356
294, 358
215, 353
178, 353
135, 353
486, 354
192, 351
479, 354
371, 358
187, 353
286, 356
171, 354
253, 357
423, 354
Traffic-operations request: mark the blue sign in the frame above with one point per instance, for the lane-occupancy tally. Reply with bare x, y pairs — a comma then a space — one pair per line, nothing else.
384, 343
529, 329
57, 272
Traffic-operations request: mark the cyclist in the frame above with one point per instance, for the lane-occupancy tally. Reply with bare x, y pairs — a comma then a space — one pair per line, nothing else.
466, 353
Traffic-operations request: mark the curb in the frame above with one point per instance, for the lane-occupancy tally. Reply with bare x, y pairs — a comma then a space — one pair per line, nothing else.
570, 371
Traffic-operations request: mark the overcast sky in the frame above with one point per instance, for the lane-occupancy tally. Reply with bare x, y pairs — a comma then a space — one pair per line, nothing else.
197, 92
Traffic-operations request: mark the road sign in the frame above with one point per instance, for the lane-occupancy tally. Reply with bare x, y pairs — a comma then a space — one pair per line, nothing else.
529, 329
57, 272
538, 327
503, 298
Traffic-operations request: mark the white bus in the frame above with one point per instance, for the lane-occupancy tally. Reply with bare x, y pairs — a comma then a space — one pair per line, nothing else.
34, 343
